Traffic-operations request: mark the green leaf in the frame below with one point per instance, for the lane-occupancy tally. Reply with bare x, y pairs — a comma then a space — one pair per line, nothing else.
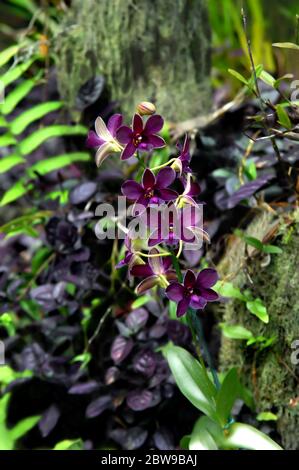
283, 117
24, 221
16, 96
75, 444
227, 395
250, 170
23, 427
266, 416
191, 379
222, 173
252, 241
267, 78
244, 436
9, 162
33, 114
272, 249
257, 308
286, 45
235, 331
35, 139
144, 299
43, 167
227, 289
201, 438
15, 72
7, 139
238, 76
15, 192
7, 321
8, 53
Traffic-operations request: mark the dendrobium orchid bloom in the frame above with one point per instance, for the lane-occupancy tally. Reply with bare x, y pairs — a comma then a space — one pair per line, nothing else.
156, 272
153, 189
195, 291
140, 137
181, 163
104, 137
177, 225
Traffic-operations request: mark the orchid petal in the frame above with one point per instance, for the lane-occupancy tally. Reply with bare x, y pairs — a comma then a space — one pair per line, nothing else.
131, 189
128, 151
114, 123
175, 291
124, 134
147, 284
137, 124
189, 279
103, 152
153, 125
148, 179
155, 141
102, 131
167, 194
93, 140
142, 270
209, 294
206, 278
182, 306
198, 302
165, 178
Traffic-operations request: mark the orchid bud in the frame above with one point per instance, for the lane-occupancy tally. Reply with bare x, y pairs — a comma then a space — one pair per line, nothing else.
146, 108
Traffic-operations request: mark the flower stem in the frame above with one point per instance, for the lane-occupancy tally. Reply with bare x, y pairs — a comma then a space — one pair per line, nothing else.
197, 325
195, 322
163, 165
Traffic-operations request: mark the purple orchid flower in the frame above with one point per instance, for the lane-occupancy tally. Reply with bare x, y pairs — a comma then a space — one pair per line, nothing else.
195, 291
157, 272
153, 190
182, 162
104, 137
140, 137
175, 225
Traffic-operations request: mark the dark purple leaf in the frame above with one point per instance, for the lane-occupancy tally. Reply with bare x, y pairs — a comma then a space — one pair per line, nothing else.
163, 439
83, 192
96, 407
129, 439
112, 374
49, 420
120, 349
139, 400
248, 189
137, 319
84, 388
145, 362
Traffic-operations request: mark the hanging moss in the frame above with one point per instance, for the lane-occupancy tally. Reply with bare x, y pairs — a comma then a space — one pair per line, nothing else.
270, 374
146, 50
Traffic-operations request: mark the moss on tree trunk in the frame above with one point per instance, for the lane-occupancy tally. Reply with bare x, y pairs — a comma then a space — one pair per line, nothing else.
145, 49
271, 374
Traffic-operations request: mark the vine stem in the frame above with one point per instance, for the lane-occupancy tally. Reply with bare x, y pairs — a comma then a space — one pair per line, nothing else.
196, 326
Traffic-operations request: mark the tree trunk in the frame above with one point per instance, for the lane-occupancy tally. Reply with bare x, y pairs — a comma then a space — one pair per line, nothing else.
146, 50
271, 374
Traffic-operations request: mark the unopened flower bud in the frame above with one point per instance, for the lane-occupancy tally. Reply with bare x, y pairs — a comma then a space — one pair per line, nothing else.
145, 108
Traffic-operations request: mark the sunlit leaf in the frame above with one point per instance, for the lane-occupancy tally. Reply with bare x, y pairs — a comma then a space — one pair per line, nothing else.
15, 96
14, 73
191, 379
286, 45
36, 112
257, 308
34, 140
43, 167
9, 162
235, 331
244, 436
13, 193
266, 416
